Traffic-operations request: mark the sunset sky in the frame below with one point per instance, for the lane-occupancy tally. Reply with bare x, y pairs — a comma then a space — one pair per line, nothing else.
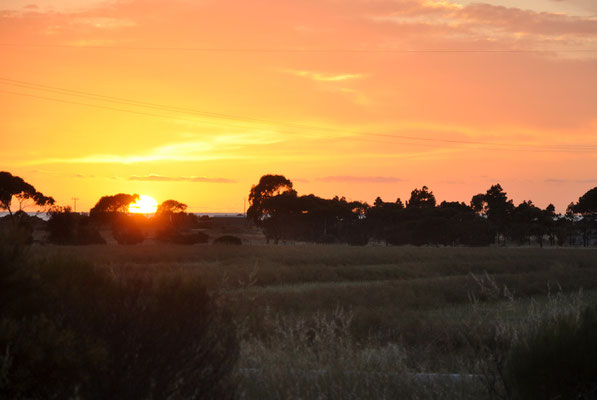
196, 100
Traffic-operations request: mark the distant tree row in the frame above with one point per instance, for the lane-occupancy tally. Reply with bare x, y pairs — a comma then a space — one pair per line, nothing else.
282, 214
490, 217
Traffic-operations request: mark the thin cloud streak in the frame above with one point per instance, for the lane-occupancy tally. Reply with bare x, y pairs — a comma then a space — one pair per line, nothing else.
361, 179
583, 181
324, 77
162, 178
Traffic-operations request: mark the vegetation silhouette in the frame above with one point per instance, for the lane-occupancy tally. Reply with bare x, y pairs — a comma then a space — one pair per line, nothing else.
15, 188
491, 217
109, 207
66, 227
283, 215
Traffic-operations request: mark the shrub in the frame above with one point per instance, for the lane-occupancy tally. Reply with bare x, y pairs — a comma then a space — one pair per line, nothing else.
173, 236
91, 335
557, 361
228, 240
65, 227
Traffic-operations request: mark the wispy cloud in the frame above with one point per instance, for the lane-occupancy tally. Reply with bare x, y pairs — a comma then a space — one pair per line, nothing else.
104, 22
568, 180
361, 179
215, 148
324, 77
162, 178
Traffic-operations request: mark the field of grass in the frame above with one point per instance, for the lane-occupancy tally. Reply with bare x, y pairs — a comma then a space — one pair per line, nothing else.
331, 321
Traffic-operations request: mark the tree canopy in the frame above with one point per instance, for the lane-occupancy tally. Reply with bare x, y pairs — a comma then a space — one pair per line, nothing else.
117, 203
171, 207
420, 198
587, 203
268, 187
12, 186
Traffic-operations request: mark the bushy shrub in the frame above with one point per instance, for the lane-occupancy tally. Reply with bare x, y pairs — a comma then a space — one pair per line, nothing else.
76, 332
228, 240
173, 236
65, 227
557, 361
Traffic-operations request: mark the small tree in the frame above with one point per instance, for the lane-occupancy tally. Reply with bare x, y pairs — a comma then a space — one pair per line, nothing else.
171, 207
422, 198
14, 187
109, 206
495, 204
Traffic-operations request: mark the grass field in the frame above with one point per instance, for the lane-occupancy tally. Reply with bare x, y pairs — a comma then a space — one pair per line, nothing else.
327, 321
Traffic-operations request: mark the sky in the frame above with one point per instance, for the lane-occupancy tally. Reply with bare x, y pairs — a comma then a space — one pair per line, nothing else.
196, 100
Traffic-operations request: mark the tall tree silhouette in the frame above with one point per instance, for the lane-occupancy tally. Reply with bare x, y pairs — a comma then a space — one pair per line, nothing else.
268, 187
421, 198
587, 208
495, 204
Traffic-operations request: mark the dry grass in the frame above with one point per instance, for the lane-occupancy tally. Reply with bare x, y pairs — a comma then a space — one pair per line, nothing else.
327, 321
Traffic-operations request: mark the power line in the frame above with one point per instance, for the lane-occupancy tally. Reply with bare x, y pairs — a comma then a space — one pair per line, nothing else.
119, 100
300, 50
116, 100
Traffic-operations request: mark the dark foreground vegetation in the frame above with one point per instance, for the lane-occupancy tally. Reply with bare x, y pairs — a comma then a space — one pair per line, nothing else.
310, 321
70, 330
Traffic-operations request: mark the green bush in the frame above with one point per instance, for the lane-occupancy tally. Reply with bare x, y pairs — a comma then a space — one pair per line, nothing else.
557, 361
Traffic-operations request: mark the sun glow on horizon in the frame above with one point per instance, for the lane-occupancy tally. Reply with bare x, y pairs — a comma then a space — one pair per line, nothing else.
144, 205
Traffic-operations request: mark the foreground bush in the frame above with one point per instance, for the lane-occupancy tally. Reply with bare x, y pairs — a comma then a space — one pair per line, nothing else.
73, 331
66, 227
174, 236
558, 361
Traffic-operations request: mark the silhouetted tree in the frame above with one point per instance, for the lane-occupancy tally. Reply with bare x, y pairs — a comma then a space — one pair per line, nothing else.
586, 207
527, 221
12, 186
109, 206
268, 187
549, 219
496, 206
421, 198
171, 207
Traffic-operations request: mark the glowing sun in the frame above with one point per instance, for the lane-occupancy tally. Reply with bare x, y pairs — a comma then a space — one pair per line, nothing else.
143, 205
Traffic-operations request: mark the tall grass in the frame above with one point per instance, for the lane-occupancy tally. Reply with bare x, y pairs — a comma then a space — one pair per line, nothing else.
318, 321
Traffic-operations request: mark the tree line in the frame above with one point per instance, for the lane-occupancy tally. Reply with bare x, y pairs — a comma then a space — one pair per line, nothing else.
170, 223
284, 215
488, 218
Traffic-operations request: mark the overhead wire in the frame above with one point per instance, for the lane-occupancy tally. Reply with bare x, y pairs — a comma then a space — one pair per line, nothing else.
298, 50
237, 118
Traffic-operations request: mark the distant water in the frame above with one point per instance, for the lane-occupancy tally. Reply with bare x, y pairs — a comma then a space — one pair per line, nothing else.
43, 216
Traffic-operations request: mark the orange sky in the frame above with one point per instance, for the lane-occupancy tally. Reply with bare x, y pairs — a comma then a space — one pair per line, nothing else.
195, 100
